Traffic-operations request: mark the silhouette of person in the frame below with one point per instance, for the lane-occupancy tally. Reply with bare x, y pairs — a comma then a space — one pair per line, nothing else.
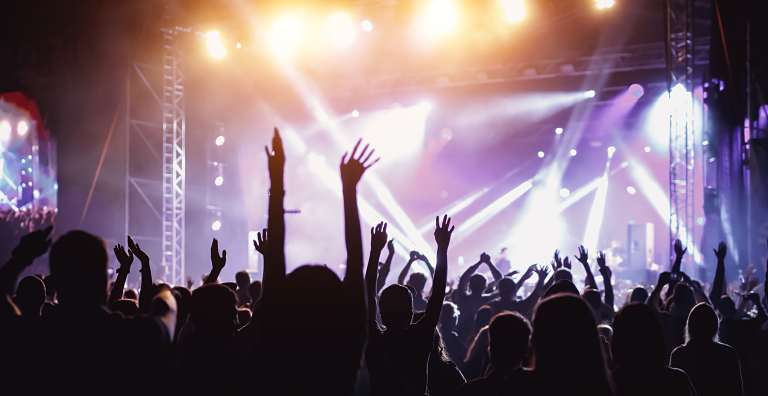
243, 281
454, 346
470, 302
30, 297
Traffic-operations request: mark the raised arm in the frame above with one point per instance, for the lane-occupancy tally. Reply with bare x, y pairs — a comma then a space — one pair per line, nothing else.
31, 246
401, 278
125, 260
381, 280
464, 279
655, 296
435, 304
679, 253
431, 269
217, 262
717, 285
527, 305
274, 262
606, 272
497, 275
378, 239
147, 288
583, 258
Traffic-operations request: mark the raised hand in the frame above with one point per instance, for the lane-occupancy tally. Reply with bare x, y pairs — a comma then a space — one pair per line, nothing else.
443, 232
720, 252
679, 251
379, 237
542, 271
391, 246
604, 269
485, 258
262, 245
567, 263
664, 278
557, 263
33, 245
583, 256
352, 170
415, 255
136, 249
217, 261
276, 156
125, 259
190, 283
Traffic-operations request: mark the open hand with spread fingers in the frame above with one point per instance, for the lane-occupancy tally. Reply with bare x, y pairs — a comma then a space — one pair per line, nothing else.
352, 170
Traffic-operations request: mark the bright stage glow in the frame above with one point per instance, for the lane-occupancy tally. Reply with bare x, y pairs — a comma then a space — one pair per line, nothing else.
23, 128
366, 25
564, 192
601, 4
611, 150
446, 134
355, 113
285, 36
573, 152
322, 116
478, 219
636, 90
340, 29
215, 45
631, 190
396, 133
220, 140
647, 149
658, 121
705, 143
441, 17
216, 225
219, 180
541, 154
596, 213
514, 10
559, 131
589, 94
238, 45
5, 130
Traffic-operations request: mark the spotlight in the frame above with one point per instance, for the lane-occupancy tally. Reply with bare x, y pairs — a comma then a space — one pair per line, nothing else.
541, 154
514, 10
441, 17
214, 44
573, 152
647, 149
611, 150
220, 140
559, 131
219, 180
631, 190
355, 113
636, 90
589, 94
239, 46
700, 221
340, 29
285, 36
564, 192
5, 130
216, 225
705, 143
23, 128
367, 25
605, 4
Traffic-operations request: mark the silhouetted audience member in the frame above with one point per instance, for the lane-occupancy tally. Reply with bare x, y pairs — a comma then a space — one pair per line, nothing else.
638, 350
639, 295
470, 302
30, 297
243, 281
444, 377
254, 292
454, 346
125, 306
713, 367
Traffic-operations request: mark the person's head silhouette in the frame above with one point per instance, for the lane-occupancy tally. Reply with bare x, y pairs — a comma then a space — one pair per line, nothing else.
727, 307
507, 288
242, 279
449, 317
563, 274
213, 312
510, 336
477, 284
254, 290
639, 295
483, 317
418, 280
30, 296
396, 307
702, 324
638, 338
78, 261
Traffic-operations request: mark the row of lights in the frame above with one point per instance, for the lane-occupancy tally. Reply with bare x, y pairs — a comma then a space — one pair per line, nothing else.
441, 18
5, 129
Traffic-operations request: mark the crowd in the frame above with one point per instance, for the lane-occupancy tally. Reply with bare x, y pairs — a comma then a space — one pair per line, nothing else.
309, 332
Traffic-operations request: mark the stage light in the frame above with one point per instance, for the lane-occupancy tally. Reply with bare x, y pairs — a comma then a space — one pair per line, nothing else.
647, 149
446, 134
559, 131
219, 180
5, 130
23, 128
541, 154
564, 192
631, 190
596, 214
700, 220
216, 225
441, 17
355, 113
220, 140
611, 150
573, 152
285, 36
669, 107
605, 4
589, 94
214, 44
36, 194
341, 30
636, 90
478, 219
367, 25
239, 46
397, 133
705, 143
514, 10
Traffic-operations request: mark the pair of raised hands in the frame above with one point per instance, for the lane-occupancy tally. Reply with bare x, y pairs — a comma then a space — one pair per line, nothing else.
443, 234
125, 258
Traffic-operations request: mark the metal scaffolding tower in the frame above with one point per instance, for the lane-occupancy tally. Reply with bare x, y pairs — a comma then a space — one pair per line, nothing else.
174, 162
680, 64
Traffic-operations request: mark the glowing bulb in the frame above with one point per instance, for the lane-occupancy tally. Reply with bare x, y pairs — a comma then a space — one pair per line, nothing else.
573, 152
705, 143
367, 25
23, 128
355, 113
214, 44
605, 4
647, 149
541, 154
216, 225
340, 29
589, 94
559, 131
219, 180
611, 150
564, 192
514, 10
5, 130
285, 37
220, 140
441, 17
239, 46
631, 190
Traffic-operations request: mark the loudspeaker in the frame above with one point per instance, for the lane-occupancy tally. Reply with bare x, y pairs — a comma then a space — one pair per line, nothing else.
639, 246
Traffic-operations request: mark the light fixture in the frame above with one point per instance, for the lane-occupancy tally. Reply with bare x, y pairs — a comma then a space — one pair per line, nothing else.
216, 225
541, 154
366, 25
220, 140
214, 44
23, 128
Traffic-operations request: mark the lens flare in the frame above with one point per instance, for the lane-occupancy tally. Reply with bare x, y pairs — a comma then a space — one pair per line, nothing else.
215, 45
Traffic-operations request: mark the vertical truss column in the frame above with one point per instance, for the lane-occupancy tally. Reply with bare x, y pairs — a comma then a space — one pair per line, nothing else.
679, 26
174, 162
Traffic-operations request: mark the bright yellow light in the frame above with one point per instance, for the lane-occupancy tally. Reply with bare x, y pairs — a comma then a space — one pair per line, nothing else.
605, 4
214, 44
340, 29
23, 128
514, 10
285, 36
441, 17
